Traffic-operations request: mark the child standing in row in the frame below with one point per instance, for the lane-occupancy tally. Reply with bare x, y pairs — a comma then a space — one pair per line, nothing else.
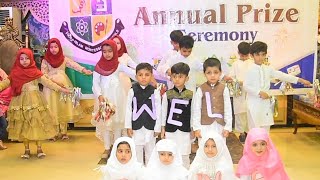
175, 37
28, 114
5, 98
165, 163
53, 66
213, 160
238, 70
260, 159
123, 163
212, 106
124, 59
185, 48
257, 86
108, 88
176, 112
143, 112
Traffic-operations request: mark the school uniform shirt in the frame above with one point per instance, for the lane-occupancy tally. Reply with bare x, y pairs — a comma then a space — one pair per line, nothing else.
269, 166
219, 165
162, 67
143, 110
114, 170
258, 79
157, 171
176, 117
198, 106
238, 71
195, 67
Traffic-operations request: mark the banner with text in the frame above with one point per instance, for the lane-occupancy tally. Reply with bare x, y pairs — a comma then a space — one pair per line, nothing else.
289, 27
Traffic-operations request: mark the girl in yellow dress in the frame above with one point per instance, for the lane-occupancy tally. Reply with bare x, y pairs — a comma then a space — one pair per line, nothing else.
54, 65
28, 114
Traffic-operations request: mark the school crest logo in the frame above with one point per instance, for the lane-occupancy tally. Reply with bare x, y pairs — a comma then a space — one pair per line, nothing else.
91, 21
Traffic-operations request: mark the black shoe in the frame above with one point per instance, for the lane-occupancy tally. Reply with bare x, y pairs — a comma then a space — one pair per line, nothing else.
242, 138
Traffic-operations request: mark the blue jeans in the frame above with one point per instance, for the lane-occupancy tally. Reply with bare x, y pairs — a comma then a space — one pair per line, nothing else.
3, 128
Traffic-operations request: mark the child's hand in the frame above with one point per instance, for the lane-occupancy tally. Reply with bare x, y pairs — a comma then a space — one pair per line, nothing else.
156, 134
197, 134
130, 132
192, 136
306, 83
264, 95
163, 134
227, 79
225, 133
86, 71
65, 90
169, 72
101, 99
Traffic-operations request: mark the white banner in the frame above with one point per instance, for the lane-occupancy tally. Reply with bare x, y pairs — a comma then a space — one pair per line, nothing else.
289, 27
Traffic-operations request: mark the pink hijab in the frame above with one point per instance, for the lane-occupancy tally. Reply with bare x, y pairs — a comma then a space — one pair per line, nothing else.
269, 164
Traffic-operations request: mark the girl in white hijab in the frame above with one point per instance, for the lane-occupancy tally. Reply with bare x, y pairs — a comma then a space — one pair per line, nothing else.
213, 160
166, 163
123, 164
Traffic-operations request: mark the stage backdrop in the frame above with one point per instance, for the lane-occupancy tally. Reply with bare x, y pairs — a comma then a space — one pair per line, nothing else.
289, 27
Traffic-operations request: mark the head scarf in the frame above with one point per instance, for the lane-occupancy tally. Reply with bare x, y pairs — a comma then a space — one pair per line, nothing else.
222, 162
156, 170
20, 75
106, 67
54, 60
116, 170
123, 48
269, 165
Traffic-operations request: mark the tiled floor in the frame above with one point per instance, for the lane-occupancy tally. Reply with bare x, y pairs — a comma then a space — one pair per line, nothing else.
77, 158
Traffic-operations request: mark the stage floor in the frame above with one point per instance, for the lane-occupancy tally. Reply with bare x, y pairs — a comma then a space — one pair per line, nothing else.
77, 158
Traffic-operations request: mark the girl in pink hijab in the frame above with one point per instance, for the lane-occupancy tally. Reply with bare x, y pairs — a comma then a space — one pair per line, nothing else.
260, 160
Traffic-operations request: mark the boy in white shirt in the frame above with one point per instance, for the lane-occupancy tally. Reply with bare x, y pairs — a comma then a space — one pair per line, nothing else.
143, 111
257, 86
238, 70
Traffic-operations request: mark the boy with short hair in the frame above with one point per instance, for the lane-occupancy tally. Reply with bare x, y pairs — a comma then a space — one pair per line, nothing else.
238, 70
212, 105
175, 37
257, 86
176, 112
142, 119
185, 48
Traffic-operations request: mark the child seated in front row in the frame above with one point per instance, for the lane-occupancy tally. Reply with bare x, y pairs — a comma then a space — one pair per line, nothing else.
260, 160
213, 160
165, 163
123, 163
142, 119
176, 112
212, 106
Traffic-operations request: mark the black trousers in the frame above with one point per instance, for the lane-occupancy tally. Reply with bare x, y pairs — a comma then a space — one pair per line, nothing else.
3, 128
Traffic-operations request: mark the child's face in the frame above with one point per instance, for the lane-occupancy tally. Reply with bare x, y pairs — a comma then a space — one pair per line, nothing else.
54, 48
179, 80
166, 157
24, 60
107, 52
259, 57
175, 45
185, 52
144, 77
118, 43
210, 148
259, 147
124, 153
212, 74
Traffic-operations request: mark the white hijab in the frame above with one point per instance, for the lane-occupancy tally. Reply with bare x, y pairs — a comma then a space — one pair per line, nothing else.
221, 162
114, 170
158, 171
